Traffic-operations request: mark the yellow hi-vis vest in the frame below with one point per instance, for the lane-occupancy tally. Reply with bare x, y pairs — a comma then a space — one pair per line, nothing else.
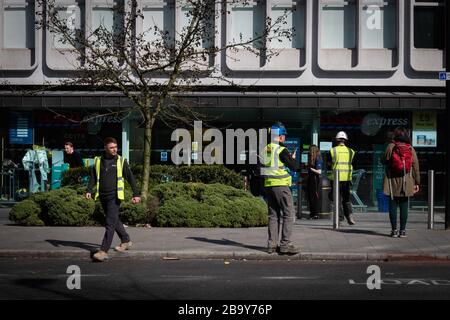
120, 182
342, 158
274, 170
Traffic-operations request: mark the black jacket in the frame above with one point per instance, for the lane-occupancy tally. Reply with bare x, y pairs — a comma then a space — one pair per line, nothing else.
108, 177
287, 159
74, 160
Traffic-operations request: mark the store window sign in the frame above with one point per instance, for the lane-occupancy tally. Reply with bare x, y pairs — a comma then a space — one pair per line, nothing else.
373, 122
424, 129
20, 128
326, 145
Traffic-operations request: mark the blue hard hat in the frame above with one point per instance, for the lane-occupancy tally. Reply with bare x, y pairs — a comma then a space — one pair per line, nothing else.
279, 129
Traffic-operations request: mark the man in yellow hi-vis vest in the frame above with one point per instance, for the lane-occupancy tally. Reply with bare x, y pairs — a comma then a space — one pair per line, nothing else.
277, 181
342, 159
107, 175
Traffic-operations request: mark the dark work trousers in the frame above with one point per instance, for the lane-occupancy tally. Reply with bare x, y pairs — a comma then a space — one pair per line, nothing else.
313, 191
281, 209
344, 190
111, 207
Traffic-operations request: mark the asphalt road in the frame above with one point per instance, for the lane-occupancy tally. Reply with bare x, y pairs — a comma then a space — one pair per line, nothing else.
224, 280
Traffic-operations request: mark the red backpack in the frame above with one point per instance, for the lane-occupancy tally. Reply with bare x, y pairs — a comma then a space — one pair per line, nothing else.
401, 159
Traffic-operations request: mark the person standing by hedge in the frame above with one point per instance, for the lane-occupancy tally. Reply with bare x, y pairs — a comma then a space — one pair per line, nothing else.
72, 157
277, 181
401, 179
107, 175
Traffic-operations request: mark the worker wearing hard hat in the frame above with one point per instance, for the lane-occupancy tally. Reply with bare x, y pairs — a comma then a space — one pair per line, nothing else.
341, 159
277, 181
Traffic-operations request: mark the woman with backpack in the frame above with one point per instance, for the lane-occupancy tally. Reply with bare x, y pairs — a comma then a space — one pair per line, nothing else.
314, 167
402, 178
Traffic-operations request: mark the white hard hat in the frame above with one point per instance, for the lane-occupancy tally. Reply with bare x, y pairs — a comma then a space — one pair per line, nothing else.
341, 135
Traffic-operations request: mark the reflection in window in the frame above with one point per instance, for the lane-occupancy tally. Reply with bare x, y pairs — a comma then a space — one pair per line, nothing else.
110, 19
379, 27
206, 26
71, 17
338, 26
18, 27
429, 27
158, 24
293, 20
248, 24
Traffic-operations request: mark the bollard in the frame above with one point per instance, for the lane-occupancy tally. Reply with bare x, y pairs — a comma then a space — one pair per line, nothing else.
430, 199
336, 198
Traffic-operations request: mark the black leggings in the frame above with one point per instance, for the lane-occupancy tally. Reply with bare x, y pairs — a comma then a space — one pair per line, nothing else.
313, 191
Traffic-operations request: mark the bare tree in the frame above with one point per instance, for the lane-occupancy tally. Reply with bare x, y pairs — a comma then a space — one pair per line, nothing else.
152, 65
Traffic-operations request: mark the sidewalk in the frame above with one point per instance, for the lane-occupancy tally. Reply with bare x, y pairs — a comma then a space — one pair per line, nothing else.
367, 240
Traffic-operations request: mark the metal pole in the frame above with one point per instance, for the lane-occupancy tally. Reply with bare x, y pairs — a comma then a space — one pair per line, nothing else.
430, 199
336, 200
3, 157
299, 197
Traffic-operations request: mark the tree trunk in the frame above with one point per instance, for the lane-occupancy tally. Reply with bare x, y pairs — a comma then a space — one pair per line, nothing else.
149, 121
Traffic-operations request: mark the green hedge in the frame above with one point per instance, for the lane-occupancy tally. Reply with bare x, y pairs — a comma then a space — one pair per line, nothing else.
208, 174
68, 207
207, 205
172, 204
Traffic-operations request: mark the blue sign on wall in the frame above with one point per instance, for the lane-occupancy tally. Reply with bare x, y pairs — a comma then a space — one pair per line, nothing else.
163, 156
20, 128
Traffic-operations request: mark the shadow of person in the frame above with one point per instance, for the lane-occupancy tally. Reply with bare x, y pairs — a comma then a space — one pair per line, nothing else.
91, 247
226, 242
357, 231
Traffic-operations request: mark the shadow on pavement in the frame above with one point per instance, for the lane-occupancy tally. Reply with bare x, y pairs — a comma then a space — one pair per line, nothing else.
226, 242
357, 231
91, 247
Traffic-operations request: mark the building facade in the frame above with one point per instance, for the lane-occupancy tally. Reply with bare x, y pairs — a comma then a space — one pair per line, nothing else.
362, 66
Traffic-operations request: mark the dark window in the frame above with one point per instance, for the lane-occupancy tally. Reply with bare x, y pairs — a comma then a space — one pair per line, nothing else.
429, 27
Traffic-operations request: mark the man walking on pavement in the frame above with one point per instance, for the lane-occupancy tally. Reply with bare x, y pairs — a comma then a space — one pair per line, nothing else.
341, 159
107, 175
277, 181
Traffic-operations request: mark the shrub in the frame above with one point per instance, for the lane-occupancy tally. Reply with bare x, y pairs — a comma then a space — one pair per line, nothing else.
208, 174
75, 176
133, 214
26, 213
67, 208
202, 205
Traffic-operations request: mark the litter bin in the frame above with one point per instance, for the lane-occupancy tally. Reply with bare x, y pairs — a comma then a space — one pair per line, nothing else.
383, 201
